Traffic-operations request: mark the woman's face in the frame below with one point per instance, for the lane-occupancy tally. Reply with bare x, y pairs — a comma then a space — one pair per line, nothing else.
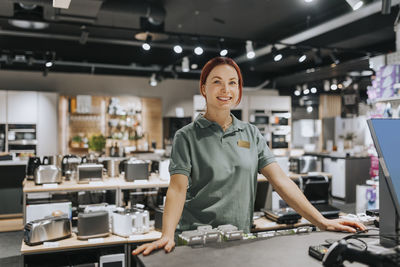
221, 88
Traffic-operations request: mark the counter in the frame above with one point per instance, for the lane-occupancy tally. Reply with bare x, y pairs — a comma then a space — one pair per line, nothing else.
289, 250
13, 162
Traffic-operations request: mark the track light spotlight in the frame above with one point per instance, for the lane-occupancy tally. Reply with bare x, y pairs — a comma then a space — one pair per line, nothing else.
178, 49
146, 45
185, 64
153, 80
250, 50
355, 4
198, 50
275, 54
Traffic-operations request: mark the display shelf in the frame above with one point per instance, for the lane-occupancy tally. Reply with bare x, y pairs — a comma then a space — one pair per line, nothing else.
71, 243
387, 99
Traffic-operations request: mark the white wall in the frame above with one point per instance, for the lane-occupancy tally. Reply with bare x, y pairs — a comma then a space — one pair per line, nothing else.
174, 93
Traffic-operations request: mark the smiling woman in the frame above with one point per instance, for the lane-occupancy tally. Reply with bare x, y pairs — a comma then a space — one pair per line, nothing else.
214, 165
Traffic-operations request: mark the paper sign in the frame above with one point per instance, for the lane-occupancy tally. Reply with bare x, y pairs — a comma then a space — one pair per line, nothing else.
50, 186
96, 240
51, 244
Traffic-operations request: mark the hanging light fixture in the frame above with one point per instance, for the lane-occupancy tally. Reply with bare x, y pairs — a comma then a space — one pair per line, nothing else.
302, 58
250, 50
185, 64
313, 90
355, 4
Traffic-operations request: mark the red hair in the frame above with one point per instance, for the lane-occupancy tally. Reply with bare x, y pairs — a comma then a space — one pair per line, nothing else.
212, 63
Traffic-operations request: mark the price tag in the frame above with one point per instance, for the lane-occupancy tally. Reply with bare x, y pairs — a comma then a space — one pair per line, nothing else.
96, 240
51, 244
141, 181
96, 183
50, 186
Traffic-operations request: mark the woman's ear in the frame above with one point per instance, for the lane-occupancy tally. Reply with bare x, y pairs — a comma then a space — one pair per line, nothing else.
203, 90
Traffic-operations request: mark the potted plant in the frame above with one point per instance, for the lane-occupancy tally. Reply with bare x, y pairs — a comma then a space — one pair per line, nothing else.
348, 140
76, 141
97, 143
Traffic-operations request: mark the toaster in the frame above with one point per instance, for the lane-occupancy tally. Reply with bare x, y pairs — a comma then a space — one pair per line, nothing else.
93, 224
136, 170
47, 229
130, 222
89, 172
47, 174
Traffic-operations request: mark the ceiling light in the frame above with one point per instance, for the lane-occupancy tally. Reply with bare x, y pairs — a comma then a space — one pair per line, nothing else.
278, 57
153, 80
194, 66
223, 52
306, 92
275, 54
185, 64
250, 50
302, 58
333, 86
178, 49
309, 109
308, 1
146, 45
334, 58
313, 90
355, 4
340, 86
48, 64
198, 50
61, 3
26, 24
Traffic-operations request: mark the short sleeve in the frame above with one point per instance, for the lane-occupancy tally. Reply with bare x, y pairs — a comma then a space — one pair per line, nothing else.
180, 162
265, 155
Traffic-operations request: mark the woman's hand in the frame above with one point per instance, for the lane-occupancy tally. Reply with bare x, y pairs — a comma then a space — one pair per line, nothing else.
342, 225
165, 242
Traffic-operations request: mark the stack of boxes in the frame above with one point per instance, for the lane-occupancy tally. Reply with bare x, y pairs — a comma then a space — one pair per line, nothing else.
386, 84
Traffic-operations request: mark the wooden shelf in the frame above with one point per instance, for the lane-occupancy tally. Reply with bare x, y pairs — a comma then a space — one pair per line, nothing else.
74, 243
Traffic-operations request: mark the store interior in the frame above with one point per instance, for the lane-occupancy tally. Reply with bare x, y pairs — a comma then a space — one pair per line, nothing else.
92, 93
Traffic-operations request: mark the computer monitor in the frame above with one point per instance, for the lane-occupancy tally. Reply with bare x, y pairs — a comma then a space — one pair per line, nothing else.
386, 136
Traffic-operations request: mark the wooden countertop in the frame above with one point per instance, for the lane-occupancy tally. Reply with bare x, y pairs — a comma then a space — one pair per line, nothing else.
107, 183
74, 243
264, 224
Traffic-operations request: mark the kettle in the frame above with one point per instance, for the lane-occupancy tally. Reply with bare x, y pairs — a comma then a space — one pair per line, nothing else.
33, 163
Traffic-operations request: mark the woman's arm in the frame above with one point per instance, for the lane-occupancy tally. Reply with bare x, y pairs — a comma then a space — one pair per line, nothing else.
175, 200
293, 196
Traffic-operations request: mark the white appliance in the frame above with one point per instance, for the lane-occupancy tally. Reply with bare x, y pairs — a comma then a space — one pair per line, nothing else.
127, 223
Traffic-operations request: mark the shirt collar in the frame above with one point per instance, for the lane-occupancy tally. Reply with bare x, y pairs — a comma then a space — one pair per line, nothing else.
204, 123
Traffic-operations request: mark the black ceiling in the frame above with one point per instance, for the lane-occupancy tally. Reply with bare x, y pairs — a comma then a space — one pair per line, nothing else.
111, 48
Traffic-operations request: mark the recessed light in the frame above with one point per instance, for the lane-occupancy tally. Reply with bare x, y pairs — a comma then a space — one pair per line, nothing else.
26, 24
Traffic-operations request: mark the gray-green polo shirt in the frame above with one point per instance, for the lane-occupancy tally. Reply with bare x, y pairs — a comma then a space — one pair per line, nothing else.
222, 171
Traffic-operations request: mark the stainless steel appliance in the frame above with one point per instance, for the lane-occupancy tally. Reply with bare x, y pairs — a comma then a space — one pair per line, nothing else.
47, 174
260, 118
2, 138
21, 139
89, 172
93, 224
304, 164
47, 229
69, 166
136, 169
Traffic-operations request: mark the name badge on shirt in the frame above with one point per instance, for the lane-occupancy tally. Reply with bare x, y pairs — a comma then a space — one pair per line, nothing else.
244, 144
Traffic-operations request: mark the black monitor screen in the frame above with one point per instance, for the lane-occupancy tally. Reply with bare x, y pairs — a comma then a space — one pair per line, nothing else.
386, 135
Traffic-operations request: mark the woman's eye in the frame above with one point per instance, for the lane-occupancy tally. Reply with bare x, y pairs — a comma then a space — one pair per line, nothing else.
216, 81
232, 83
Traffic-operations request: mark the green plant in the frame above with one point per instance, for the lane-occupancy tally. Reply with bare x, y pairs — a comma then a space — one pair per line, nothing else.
77, 139
97, 142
